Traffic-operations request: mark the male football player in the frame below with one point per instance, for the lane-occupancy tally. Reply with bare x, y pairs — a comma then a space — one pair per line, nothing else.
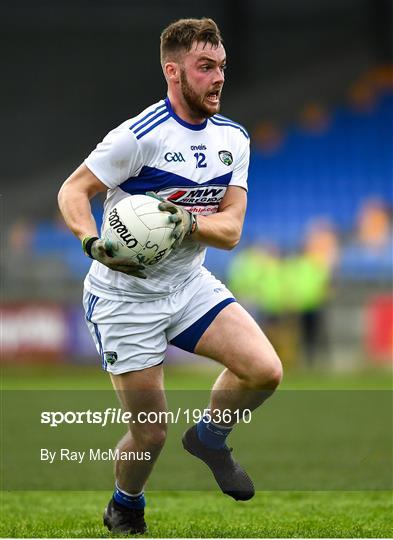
183, 151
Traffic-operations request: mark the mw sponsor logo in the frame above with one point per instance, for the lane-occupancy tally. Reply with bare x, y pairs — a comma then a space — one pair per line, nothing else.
205, 195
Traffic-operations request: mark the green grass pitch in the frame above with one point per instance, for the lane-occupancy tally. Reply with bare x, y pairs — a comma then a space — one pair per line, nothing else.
176, 514
195, 514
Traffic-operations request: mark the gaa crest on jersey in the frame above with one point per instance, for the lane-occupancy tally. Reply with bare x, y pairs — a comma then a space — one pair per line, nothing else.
226, 157
110, 357
174, 156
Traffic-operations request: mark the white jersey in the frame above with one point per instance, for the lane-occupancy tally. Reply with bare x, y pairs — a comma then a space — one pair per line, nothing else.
190, 165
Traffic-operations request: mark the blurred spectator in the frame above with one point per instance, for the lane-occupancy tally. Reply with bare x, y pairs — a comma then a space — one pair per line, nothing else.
315, 119
26, 274
374, 225
381, 77
53, 240
18, 255
321, 243
308, 282
362, 97
267, 138
257, 278
369, 254
20, 237
364, 94
245, 275
287, 296
43, 259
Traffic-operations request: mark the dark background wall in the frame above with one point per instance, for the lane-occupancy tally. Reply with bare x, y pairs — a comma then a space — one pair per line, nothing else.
73, 70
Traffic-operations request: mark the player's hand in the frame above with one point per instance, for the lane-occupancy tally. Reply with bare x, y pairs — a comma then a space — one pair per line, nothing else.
102, 251
185, 222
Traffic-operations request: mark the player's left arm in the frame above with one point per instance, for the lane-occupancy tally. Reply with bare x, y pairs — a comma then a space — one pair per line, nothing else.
223, 229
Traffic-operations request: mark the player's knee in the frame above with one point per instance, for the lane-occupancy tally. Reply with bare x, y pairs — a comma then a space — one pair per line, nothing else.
151, 435
157, 438
265, 374
274, 373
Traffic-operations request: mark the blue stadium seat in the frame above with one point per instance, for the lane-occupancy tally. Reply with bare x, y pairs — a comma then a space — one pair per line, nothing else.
325, 176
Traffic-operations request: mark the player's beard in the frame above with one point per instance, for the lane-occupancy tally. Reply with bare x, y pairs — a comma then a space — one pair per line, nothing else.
196, 102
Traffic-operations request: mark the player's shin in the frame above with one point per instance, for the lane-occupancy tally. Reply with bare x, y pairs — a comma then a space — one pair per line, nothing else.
142, 447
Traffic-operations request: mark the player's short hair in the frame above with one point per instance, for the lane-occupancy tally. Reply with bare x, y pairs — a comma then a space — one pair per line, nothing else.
179, 36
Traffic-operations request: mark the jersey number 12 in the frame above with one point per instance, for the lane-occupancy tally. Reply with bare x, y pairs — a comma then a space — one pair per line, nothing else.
200, 160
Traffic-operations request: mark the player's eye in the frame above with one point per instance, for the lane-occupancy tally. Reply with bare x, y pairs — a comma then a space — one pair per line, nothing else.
223, 67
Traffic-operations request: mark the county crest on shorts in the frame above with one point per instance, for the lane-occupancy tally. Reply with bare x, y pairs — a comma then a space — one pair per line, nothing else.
110, 357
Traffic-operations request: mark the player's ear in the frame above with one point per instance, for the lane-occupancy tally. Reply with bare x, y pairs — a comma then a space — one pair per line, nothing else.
172, 71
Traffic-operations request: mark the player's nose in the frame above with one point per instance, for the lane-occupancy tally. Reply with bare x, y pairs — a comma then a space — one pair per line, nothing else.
219, 77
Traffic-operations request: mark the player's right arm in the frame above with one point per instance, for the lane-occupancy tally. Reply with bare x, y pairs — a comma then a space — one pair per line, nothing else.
74, 203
